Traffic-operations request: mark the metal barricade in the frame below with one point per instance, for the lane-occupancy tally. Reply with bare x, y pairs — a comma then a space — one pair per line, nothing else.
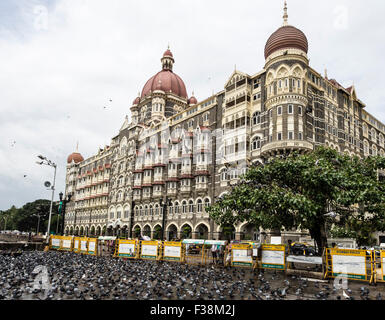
127, 249
350, 264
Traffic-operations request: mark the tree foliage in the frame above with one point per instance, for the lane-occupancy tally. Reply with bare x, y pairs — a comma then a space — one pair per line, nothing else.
26, 218
297, 192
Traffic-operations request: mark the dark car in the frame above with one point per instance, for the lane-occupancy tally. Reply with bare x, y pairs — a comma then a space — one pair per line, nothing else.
302, 249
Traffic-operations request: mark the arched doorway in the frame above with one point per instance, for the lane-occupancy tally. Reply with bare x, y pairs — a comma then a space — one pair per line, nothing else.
98, 231
92, 232
172, 232
186, 232
158, 232
81, 231
137, 232
249, 232
87, 231
71, 231
227, 233
125, 232
77, 232
202, 232
147, 231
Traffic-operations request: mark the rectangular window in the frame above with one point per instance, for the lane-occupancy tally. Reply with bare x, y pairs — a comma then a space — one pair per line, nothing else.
300, 111
279, 110
290, 109
299, 135
291, 135
279, 136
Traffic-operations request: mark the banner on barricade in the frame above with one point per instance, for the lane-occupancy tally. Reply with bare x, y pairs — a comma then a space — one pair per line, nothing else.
172, 251
92, 247
149, 250
127, 249
55, 242
349, 263
382, 265
273, 257
66, 244
304, 259
84, 245
76, 247
241, 255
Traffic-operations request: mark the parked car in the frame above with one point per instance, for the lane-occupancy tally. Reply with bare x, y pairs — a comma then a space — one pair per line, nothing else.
302, 249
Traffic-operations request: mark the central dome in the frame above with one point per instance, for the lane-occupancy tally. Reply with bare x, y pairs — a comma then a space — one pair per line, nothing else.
166, 80
286, 37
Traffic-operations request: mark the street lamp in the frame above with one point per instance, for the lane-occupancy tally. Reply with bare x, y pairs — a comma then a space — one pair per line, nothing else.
63, 208
166, 204
45, 161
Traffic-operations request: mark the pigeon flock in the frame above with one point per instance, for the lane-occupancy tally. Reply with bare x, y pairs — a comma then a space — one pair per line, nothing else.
53, 275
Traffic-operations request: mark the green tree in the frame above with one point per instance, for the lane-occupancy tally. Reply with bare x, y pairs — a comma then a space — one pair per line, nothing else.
26, 218
299, 191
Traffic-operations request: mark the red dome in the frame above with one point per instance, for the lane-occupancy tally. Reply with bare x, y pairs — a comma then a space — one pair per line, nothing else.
76, 157
168, 53
166, 81
286, 37
192, 100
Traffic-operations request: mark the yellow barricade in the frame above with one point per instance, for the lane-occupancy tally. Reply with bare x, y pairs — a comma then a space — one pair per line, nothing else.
150, 250
76, 247
55, 242
273, 257
127, 249
92, 247
194, 251
349, 263
66, 243
242, 255
83, 246
173, 251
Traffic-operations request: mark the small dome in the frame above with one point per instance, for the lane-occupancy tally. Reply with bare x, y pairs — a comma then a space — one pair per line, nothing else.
192, 100
76, 157
168, 53
136, 101
286, 37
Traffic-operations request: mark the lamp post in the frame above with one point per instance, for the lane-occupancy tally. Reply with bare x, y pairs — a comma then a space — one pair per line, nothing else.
165, 205
45, 161
63, 208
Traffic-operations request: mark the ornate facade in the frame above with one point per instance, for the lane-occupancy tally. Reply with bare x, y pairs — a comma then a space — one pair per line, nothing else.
185, 154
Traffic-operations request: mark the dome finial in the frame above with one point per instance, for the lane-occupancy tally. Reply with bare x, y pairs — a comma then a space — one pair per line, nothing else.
285, 15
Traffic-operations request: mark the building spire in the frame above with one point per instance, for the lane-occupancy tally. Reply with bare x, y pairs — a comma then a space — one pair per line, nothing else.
285, 15
77, 146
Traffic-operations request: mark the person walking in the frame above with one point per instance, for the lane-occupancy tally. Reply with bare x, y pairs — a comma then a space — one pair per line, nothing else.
214, 252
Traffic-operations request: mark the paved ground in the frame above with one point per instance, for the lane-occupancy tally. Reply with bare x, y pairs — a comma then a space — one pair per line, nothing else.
72, 276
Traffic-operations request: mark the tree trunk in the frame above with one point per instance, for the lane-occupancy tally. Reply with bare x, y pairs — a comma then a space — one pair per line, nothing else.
320, 237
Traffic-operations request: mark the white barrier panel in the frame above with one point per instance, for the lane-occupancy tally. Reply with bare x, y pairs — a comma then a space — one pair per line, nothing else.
273, 257
66, 244
55, 243
172, 251
83, 245
92, 247
240, 255
303, 259
149, 250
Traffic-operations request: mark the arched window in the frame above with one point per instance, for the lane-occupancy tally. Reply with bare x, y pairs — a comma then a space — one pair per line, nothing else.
207, 203
374, 150
256, 143
200, 207
256, 118
191, 206
184, 206
176, 206
224, 175
374, 134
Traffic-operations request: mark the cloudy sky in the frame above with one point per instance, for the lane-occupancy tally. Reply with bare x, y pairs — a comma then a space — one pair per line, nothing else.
61, 61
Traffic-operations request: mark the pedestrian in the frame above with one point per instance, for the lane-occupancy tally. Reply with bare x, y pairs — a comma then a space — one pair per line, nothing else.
214, 253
